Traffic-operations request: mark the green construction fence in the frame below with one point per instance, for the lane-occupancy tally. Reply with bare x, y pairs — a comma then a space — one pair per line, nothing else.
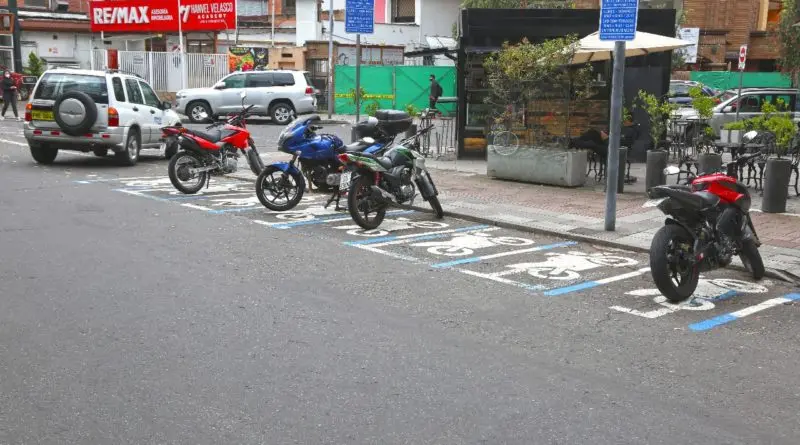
392, 87
726, 80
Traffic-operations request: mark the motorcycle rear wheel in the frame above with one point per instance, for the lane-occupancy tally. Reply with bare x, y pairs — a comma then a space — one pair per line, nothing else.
751, 258
177, 175
358, 195
666, 271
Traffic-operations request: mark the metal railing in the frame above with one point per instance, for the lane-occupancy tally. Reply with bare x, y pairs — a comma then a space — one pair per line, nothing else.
163, 70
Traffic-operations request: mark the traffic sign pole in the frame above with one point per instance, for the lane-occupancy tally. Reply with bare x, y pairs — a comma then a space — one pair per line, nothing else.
358, 76
618, 24
742, 63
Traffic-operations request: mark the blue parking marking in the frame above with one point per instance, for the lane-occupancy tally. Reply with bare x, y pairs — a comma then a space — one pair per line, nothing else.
733, 316
240, 209
484, 257
384, 239
574, 288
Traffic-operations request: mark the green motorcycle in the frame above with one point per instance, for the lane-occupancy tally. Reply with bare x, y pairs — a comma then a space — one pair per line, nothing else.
390, 179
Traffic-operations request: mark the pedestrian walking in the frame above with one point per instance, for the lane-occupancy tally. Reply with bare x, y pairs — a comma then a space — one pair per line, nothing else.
9, 95
436, 92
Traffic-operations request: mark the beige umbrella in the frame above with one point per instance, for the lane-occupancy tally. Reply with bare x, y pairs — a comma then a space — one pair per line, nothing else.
592, 49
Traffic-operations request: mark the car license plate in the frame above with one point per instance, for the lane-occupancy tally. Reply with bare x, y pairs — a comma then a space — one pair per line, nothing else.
653, 202
344, 181
40, 115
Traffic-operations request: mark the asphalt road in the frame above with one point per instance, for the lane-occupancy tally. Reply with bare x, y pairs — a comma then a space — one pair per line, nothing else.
133, 314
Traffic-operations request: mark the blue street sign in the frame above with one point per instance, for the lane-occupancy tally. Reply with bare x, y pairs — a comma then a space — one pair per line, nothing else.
618, 19
359, 17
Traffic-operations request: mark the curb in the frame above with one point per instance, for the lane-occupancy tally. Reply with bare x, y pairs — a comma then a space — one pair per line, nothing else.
777, 274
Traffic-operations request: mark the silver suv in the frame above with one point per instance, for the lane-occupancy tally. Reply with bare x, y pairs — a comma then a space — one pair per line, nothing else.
751, 101
84, 110
279, 94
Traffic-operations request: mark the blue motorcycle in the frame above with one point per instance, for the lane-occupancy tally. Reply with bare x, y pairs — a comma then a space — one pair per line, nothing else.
281, 185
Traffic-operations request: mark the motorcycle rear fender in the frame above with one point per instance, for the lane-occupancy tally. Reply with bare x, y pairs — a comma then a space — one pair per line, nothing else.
286, 167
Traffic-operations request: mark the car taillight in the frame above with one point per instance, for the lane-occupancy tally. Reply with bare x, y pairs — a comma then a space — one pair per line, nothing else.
28, 114
309, 91
113, 117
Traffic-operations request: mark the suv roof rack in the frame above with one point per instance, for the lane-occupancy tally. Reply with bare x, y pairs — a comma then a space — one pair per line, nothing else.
117, 70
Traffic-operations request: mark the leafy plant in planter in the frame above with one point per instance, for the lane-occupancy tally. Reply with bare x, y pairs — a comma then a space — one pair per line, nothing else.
658, 113
412, 110
525, 73
372, 108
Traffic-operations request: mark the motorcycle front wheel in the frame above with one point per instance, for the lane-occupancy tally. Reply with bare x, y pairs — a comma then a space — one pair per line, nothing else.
673, 272
179, 174
360, 205
279, 191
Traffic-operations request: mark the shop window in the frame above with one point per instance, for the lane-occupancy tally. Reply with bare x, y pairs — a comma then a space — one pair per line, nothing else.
200, 46
289, 7
404, 11
37, 3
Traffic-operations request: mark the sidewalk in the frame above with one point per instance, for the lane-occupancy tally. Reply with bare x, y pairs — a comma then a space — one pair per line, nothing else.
465, 191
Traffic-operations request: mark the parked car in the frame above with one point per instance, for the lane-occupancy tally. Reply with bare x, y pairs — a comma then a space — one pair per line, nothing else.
751, 101
279, 94
679, 92
84, 110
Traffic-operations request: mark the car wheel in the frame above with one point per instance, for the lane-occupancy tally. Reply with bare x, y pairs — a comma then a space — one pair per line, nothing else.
43, 154
198, 112
281, 113
133, 144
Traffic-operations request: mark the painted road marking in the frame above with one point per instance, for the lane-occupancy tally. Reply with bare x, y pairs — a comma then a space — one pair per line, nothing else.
289, 225
595, 283
502, 254
92, 181
566, 266
531, 287
733, 316
400, 239
467, 243
390, 226
707, 293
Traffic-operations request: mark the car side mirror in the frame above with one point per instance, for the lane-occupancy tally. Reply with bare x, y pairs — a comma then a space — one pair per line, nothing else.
219, 86
727, 109
166, 105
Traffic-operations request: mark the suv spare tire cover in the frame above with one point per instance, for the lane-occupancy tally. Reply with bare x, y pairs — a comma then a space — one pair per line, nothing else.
75, 112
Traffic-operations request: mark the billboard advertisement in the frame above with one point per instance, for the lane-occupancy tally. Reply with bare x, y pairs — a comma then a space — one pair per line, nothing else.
161, 16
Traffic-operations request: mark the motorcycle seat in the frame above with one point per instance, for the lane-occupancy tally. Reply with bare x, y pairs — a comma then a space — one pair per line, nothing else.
355, 147
213, 135
382, 160
697, 200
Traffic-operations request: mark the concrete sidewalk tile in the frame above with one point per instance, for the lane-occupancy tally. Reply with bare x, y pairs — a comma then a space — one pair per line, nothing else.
644, 216
513, 219
549, 225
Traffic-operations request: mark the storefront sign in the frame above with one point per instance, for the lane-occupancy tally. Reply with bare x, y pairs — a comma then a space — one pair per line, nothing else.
162, 15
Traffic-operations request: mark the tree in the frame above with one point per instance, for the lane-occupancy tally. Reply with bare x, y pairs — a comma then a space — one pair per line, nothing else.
788, 40
526, 73
35, 66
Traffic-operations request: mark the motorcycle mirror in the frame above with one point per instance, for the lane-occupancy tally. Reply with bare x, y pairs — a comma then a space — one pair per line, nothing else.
243, 94
672, 170
749, 136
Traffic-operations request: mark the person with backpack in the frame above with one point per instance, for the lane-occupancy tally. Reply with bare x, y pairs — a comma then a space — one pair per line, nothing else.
436, 92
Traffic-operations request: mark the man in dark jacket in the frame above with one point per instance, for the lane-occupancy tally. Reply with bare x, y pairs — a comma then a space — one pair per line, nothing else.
436, 92
9, 95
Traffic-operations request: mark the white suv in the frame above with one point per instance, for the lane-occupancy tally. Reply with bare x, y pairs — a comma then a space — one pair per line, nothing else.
83, 110
279, 94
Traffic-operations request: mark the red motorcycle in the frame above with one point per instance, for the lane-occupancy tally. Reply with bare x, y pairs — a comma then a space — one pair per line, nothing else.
205, 154
708, 222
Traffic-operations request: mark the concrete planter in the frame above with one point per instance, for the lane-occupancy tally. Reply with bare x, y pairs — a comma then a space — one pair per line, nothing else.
565, 168
709, 162
776, 185
730, 136
656, 163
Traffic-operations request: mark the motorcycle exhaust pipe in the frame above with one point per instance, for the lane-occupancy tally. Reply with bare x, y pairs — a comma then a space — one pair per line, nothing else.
380, 195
